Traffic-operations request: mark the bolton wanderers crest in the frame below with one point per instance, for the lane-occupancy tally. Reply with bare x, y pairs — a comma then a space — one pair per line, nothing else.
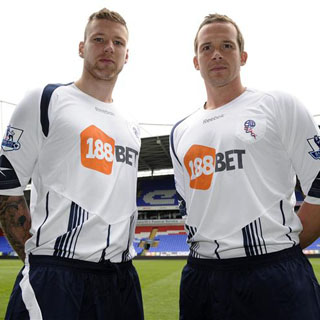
248, 127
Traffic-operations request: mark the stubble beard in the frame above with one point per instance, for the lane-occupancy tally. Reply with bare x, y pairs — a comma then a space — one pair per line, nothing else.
224, 80
108, 73
218, 82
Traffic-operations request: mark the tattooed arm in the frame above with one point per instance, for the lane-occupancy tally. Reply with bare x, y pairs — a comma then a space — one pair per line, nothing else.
16, 222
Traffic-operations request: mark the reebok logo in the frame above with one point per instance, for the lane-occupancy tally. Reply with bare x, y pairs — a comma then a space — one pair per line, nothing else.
104, 111
213, 119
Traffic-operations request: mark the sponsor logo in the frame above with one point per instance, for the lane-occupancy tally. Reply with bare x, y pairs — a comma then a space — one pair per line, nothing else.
248, 127
11, 139
213, 119
104, 111
99, 151
315, 146
203, 162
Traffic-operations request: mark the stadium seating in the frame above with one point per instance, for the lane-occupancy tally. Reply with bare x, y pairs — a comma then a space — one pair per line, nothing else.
314, 248
171, 243
161, 240
5, 248
157, 193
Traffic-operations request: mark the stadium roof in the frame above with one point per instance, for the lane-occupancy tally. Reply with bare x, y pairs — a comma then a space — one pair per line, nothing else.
155, 154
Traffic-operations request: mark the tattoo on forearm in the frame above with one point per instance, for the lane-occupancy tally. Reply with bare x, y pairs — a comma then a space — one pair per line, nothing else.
22, 220
15, 220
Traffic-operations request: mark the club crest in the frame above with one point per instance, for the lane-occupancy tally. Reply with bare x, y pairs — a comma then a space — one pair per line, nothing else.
248, 127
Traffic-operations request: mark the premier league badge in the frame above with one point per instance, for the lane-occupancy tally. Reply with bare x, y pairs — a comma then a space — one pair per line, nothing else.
315, 145
248, 127
11, 139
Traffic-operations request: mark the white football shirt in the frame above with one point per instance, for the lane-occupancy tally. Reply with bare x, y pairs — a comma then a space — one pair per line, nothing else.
82, 155
235, 169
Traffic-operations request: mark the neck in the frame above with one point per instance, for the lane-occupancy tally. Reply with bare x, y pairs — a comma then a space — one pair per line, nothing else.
219, 96
96, 88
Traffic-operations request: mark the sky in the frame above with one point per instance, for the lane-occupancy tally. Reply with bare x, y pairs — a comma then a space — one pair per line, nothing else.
39, 45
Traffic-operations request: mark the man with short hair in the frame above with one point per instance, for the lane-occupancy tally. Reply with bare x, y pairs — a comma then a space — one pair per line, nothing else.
235, 162
82, 156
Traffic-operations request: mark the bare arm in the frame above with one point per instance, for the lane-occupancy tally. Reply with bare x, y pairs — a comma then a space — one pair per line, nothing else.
309, 215
16, 222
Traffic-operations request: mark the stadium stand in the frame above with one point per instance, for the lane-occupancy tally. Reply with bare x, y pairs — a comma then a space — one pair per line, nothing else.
161, 240
156, 193
172, 244
157, 199
313, 249
5, 248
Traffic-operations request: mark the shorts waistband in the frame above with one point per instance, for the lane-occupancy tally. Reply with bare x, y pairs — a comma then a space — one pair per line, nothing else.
105, 266
247, 262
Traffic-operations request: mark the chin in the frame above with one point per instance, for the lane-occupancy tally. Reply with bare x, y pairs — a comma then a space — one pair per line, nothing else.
105, 76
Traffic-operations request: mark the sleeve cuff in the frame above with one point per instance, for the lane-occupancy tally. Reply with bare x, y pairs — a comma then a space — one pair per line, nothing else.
312, 200
12, 192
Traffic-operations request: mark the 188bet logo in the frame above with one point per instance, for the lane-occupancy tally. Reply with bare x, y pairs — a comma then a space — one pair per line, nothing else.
199, 162
97, 150
203, 162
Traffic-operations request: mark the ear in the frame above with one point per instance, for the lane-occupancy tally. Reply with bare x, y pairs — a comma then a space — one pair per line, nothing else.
127, 56
81, 49
196, 63
243, 58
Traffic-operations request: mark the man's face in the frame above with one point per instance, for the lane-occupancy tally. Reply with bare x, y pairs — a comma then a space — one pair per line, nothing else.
218, 54
105, 49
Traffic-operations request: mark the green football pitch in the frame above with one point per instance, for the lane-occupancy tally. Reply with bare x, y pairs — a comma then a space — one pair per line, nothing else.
159, 281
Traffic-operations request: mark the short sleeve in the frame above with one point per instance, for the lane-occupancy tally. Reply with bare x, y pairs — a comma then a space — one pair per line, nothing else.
20, 145
301, 139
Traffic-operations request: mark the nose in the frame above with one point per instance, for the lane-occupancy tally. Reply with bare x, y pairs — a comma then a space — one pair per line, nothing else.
216, 55
109, 47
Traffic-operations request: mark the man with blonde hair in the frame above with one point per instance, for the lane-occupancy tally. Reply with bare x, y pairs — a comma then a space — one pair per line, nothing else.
235, 163
82, 155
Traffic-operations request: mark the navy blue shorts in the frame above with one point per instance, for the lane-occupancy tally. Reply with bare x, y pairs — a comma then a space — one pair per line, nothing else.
56, 288
275, 286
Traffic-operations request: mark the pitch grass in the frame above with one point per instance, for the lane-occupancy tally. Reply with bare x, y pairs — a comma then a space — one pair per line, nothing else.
159, 281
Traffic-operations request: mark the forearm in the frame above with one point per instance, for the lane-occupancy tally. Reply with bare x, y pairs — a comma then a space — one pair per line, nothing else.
16, 222
309, 215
